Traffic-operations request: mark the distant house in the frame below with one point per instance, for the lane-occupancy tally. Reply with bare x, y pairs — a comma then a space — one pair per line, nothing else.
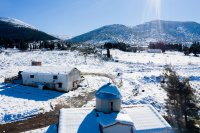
142, 48
154, 51
36, 63
112, 118
61, 79
135, 48
132, 48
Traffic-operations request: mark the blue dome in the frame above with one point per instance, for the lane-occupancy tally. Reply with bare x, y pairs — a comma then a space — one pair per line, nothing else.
108, 91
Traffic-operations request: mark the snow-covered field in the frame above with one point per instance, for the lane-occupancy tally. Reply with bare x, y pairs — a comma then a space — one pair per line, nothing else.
140, 82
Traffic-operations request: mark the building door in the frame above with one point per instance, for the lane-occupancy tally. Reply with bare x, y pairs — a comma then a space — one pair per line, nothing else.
111, 105
75, 84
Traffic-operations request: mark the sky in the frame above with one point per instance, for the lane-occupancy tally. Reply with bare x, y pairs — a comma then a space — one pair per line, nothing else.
75, 17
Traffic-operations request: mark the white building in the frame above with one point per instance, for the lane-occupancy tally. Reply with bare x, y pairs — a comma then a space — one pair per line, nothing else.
61, 79
129, 119
154, 51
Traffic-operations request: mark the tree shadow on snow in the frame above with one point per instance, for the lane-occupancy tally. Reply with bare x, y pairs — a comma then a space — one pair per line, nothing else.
26, 92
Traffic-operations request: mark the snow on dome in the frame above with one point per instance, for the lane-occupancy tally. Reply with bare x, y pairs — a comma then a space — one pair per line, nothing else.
108, 91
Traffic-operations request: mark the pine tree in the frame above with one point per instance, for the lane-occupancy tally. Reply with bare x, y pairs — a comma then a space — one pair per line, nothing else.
108, 46
23, 46
51, 46
195, 48
186, 50
181, 102
59, 46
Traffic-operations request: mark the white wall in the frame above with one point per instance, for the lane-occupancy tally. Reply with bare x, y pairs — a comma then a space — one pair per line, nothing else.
67, 80
154, 51
105, 105
45, 79
74, 77
162, 130
118, 128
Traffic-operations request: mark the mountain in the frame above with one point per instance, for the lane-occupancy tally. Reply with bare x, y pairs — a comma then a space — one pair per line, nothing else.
157, 30
13, 29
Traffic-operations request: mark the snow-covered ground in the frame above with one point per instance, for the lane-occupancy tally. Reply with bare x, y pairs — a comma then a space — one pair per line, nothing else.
48, 129
140, 82
21, 102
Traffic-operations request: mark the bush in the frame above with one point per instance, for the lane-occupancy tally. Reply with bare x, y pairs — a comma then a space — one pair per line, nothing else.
186, 50
195, 48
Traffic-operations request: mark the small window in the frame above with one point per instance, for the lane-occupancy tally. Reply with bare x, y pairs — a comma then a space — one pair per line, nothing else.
31, 76
55, 77
60, 85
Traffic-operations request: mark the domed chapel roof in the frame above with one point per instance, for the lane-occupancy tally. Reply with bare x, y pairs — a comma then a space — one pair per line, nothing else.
108, 91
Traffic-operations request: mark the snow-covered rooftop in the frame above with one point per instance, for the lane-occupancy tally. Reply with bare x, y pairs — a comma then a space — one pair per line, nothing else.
107, 120
108, 91
144, 118
78, 120
147, 119
49, 70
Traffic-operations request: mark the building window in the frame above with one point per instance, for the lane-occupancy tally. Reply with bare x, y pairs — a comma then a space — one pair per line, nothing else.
31, 76
60, 85
55, 77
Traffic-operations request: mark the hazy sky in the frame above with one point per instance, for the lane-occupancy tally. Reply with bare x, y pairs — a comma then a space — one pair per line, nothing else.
74, 17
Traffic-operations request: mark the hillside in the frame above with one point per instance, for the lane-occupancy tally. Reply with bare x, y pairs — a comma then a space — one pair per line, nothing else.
170, 31
13, 29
